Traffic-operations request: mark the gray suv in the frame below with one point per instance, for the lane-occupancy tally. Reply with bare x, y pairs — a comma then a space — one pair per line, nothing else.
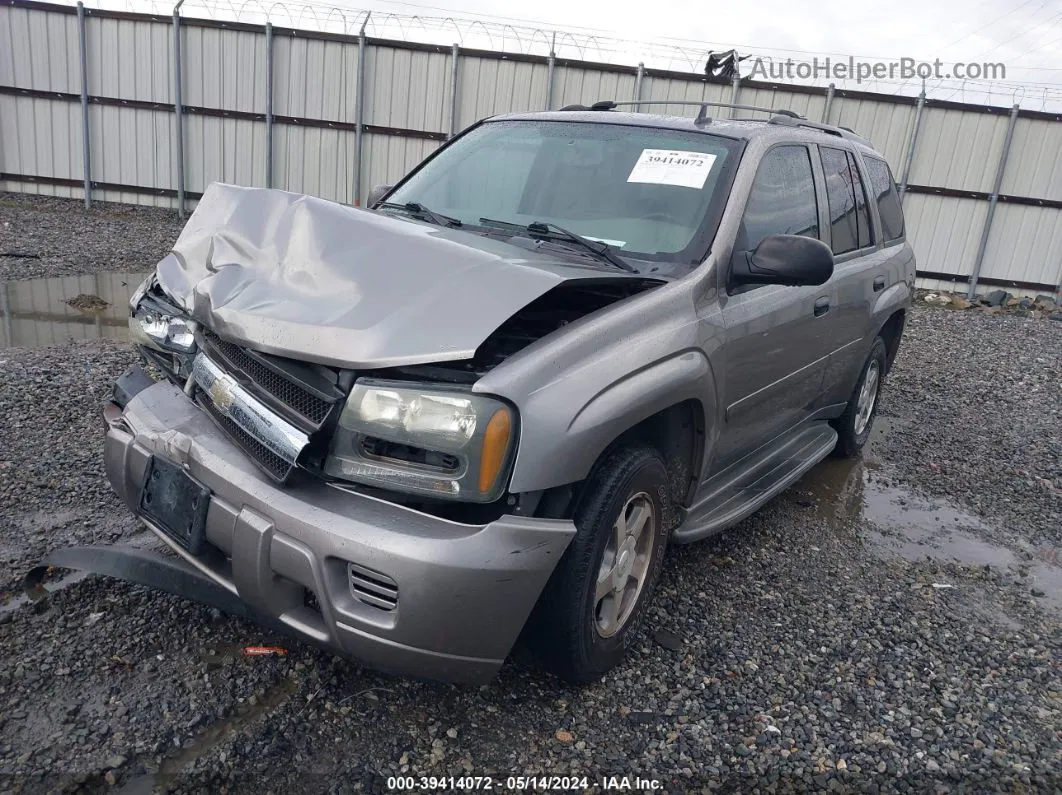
488, 404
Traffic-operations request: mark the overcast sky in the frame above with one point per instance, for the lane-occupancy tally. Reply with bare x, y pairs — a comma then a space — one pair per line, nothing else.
1024, 35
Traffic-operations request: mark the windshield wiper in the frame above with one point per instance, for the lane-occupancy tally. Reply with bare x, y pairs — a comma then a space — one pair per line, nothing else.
418, 209
548, 231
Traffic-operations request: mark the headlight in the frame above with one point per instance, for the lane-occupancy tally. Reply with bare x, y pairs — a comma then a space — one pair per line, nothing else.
158, 325
449, 444
163, 332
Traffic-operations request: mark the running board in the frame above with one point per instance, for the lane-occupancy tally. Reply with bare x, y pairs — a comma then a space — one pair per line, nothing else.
741, 489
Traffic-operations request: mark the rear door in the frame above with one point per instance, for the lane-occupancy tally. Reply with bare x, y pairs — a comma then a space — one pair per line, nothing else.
777, 338
861, 266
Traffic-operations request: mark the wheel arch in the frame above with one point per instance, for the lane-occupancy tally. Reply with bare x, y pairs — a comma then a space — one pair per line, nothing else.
677, 432
891, 332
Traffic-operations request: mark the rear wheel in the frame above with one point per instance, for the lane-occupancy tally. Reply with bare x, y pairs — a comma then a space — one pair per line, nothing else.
600, 590
854, 426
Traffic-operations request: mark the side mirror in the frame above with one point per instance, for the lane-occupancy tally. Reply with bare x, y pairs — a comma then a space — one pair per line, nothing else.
783, 259
377, 193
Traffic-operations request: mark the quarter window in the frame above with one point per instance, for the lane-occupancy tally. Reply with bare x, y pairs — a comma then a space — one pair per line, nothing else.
849, 214
782, 201
883, 187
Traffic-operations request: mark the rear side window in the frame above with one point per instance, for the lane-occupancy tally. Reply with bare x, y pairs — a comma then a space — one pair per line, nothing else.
849, 215
883, 188
782, 201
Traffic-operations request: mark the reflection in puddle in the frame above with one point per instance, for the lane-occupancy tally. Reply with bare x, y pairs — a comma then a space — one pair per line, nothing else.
896, 521
50, 311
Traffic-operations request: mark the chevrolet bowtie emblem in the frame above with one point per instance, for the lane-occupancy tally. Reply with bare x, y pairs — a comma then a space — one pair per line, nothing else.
221, 394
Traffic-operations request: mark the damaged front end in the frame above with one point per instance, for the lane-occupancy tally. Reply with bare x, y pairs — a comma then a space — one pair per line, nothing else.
354, 489
162, 332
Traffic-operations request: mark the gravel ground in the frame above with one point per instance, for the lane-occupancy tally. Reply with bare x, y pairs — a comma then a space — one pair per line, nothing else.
62, 238
983, 394
794, 653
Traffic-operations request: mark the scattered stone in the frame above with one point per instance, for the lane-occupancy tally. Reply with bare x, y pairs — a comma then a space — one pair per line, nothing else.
642, 716
1025, 303
1044, 301
668, 640
958, 302
996, 298
564, 736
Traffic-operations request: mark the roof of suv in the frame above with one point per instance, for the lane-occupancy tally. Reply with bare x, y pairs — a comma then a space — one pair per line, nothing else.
779, 126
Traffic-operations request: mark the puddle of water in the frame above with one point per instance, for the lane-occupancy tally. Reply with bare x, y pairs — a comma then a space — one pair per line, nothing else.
896, 521
215, 734
37, 312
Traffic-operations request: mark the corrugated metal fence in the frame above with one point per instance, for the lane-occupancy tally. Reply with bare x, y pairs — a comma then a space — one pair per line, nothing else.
87, 99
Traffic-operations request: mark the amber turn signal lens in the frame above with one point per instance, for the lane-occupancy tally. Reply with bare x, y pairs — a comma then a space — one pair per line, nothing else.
495, 445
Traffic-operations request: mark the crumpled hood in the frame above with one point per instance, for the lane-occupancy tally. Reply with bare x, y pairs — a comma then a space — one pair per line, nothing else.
315, 280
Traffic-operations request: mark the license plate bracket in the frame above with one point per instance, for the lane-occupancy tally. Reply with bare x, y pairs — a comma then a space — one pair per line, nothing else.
176, 503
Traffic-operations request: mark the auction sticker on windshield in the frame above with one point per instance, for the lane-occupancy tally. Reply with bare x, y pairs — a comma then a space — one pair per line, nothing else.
670, 167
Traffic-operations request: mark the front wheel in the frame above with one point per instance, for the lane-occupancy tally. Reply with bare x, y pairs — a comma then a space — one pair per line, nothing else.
853, 427
600, 590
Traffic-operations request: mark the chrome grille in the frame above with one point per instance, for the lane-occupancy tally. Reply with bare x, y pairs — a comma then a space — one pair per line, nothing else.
273, 464
290, 395
372, 588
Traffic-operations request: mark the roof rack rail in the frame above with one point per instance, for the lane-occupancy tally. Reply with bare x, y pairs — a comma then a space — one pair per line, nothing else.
778, 115
702, 116
831, 129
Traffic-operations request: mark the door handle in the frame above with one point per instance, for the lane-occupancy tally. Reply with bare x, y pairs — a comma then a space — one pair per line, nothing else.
822, 306
879, 283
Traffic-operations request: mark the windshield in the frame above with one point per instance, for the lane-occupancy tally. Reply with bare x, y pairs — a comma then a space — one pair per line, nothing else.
647, 192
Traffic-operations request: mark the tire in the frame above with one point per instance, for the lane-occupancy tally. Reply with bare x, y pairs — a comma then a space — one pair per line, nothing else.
577, 633
854, 426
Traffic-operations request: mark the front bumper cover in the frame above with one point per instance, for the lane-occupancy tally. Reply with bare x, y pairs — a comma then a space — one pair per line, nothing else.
463, 591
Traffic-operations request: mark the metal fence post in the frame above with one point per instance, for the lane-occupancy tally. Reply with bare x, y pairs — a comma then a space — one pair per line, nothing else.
359, 128
992, 201
735, 90
455, 53
5, 311
638, 77
269, 105
178, 108
85, 155
914, 142
549, 72
829, 103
